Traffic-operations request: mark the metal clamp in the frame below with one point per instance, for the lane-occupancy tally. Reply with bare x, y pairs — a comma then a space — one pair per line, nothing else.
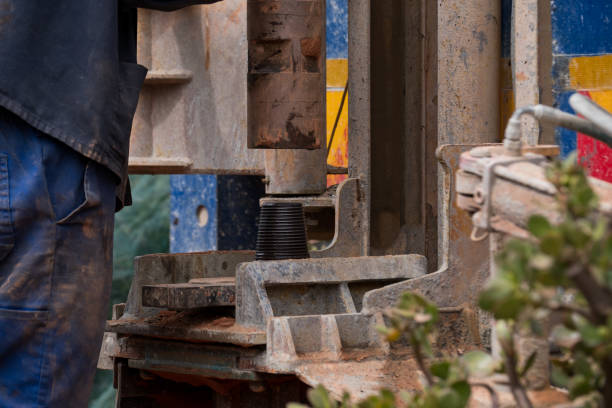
484, 195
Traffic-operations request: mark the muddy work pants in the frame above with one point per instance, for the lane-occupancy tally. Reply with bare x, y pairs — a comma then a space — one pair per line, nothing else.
56, 228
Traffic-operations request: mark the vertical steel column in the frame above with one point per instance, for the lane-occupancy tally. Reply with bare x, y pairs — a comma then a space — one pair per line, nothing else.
469, 52
359, 126
295, 172
286, 93
392, 116
532, 62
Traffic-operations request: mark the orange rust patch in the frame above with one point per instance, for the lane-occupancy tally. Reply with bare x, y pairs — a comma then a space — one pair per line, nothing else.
311, 47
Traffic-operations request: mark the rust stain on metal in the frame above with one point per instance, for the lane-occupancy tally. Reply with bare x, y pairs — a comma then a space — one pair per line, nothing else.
191, 326
311, 47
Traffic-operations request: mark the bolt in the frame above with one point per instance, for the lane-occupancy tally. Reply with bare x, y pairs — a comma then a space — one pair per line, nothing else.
257, 386
479, 196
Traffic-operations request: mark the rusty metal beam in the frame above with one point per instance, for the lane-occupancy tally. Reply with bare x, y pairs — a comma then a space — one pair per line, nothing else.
286, 76
197, 293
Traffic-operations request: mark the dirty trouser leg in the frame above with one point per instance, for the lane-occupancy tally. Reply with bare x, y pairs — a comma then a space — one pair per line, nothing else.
56, 226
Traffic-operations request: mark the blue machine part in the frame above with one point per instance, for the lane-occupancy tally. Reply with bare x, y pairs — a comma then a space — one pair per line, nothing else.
191, 194
210, 213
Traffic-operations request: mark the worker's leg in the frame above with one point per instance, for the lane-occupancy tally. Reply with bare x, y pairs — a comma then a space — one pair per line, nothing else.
56, 226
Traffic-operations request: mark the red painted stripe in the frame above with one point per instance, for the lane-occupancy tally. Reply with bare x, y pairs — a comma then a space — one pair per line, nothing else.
595, 156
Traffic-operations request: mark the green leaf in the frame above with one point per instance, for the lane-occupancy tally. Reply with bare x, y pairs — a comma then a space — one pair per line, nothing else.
541, 262
464, 390
455, 396
405, 396
583, 365
538, 225
440, 369
579, 385
479, 363
565, 337
528, 364
592, 336
558, 377
391, 334
385, 399
504, 332
552, 243
346, 400
502, 298
320, 398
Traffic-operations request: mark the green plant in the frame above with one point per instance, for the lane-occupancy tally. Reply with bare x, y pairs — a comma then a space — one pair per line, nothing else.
566, 268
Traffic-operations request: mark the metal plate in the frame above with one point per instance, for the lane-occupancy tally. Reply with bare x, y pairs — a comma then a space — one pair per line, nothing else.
192, 112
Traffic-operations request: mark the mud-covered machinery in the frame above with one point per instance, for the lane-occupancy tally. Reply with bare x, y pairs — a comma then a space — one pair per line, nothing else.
238, 88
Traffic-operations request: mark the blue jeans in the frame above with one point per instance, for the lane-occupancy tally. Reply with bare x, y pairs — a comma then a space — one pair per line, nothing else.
56, 231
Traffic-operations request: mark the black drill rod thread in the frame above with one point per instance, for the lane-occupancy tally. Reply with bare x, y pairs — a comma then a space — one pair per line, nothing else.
282, 232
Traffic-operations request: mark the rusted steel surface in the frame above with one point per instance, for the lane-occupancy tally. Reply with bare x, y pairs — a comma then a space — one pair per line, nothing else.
213, 361
464, 263
314, 286
192, 295
363, 369
325, 200
542, 398
348, 237
295, 172
362, 378
192, 112
346, 352
286, 74
518, 191
162, 269
188, 326
138, 387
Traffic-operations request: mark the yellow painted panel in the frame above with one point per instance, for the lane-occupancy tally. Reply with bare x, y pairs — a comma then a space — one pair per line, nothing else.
602, 98
338, 156
591, 73
506, 107
337, 72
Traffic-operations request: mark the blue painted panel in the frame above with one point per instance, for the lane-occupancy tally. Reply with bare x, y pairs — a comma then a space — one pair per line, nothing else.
337, 28
188, 193
566, 139
238, 211
581, 27
214, 212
